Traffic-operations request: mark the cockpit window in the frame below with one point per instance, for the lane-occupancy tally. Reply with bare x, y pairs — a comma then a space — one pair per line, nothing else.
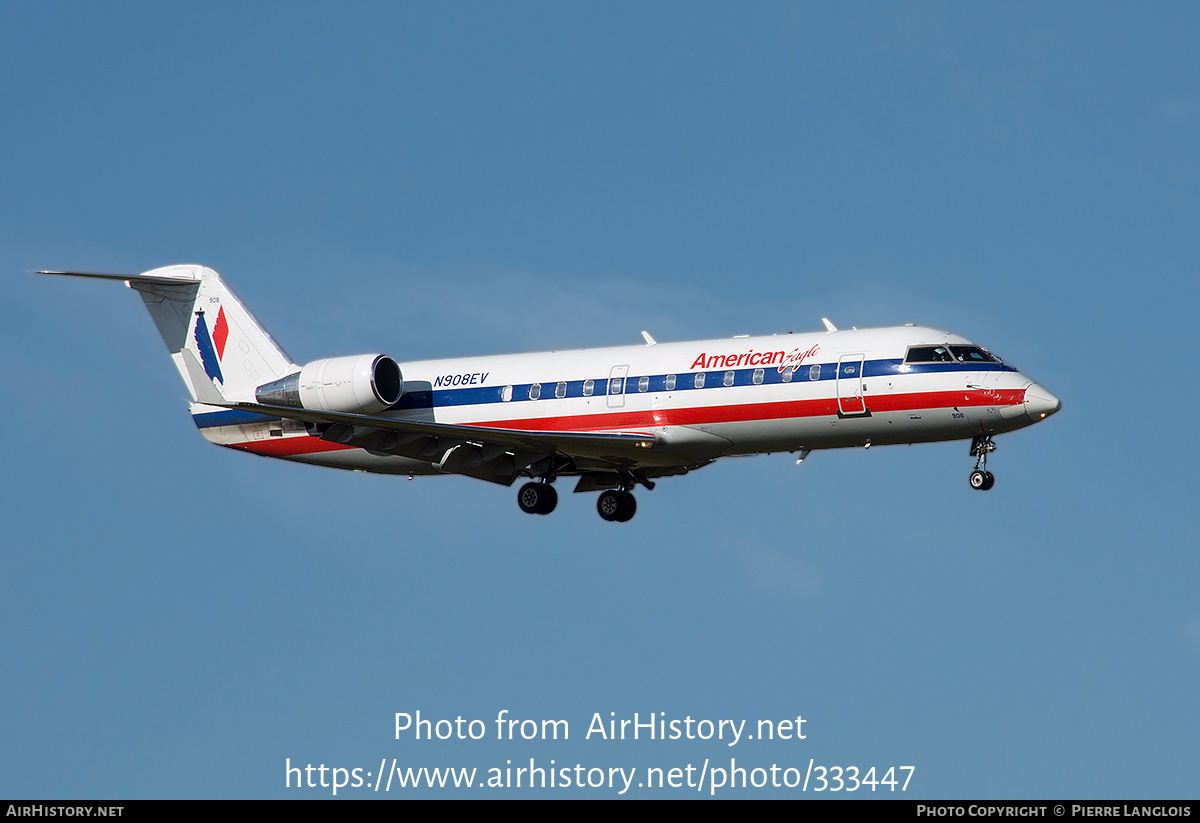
971, 354
929, 354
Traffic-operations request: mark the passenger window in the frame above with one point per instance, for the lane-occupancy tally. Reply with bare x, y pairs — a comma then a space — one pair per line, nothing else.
535, 391
589, 386
614, 385
758, 377
699, 381
787, 374
560, 391
506, 393
670, 382
643, 383
728, 378
814, 372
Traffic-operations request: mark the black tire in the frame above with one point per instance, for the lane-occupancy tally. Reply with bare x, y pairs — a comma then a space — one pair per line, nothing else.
628, 507
609, 504
989, 481
532, 497
549, 499
978, 480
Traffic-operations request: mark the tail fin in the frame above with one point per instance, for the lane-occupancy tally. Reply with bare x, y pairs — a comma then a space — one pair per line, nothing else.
221, 351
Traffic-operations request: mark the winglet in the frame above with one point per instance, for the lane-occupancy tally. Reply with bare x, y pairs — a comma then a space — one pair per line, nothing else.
829, 327
649, 340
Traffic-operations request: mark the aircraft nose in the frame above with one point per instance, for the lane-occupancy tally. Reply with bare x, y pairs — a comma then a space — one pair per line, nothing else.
1039, 403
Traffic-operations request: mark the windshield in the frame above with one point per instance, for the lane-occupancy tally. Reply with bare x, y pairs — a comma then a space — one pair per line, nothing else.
929, 354
971, 354
948, 354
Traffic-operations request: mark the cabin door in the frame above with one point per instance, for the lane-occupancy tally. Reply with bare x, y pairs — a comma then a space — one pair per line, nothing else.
616, 387
850, 384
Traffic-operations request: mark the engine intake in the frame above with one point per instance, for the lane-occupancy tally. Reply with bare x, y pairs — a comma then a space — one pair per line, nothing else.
362, 384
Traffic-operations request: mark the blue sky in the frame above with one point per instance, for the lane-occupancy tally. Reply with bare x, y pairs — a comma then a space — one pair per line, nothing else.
429, 180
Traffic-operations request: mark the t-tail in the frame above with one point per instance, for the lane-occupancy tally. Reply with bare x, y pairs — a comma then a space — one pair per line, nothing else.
223, 354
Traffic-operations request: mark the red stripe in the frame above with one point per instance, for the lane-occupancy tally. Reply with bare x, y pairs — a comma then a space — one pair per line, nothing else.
628, 420
288, 446
623, 420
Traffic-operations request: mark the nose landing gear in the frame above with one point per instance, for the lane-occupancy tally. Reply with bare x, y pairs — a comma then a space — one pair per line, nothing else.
981, 478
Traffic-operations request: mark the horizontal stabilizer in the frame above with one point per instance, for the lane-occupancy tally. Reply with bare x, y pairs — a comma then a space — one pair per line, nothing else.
138, 278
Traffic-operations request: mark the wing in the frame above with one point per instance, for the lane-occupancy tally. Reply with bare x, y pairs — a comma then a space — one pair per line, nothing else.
495, 454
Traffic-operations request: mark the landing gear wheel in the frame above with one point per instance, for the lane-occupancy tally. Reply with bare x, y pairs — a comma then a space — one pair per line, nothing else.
981, 478
617, 505
609, 504
628, 507
537, 498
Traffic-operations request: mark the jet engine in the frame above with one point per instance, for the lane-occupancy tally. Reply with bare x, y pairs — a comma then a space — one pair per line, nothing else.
362, 384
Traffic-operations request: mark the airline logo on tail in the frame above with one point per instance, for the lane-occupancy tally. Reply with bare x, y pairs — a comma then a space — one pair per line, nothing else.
212, 346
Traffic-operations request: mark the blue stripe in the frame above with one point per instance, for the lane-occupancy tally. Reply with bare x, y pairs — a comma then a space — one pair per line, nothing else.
229, 418
684, 381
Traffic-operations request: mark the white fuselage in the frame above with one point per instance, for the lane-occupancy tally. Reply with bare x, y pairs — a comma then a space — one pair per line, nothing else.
700, 400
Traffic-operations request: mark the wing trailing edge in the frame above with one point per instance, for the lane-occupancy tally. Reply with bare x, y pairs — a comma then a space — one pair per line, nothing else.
602, 445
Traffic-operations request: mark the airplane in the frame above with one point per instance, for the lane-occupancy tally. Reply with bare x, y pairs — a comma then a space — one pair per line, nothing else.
615, 418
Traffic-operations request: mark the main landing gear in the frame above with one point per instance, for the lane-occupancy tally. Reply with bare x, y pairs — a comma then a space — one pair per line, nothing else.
981, 478
537, 498
616, 504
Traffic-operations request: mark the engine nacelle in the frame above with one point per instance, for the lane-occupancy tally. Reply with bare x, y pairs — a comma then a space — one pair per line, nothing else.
364, 384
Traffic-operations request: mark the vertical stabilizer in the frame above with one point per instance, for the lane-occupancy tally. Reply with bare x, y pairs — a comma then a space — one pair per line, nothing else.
221, 351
